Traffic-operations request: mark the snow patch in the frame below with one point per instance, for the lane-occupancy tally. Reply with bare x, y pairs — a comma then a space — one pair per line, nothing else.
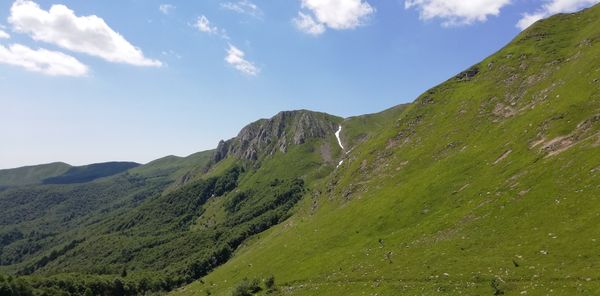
337, 135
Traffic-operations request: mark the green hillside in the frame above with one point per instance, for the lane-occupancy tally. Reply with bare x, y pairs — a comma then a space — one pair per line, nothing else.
61, 173
175, 167
31, 174
90, 172
486, 185
171, 221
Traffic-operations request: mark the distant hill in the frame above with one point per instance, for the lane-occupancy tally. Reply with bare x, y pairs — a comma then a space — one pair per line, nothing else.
32, 174
90, 172
61, 173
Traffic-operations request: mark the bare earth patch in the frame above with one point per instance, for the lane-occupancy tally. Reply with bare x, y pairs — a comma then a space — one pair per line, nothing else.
504, 111
584, 131
503, 156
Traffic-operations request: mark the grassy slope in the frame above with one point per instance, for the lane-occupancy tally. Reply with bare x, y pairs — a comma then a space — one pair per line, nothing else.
175, 167
359, 129
455, 197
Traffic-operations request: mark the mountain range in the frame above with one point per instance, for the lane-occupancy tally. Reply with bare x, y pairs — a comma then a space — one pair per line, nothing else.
487, 184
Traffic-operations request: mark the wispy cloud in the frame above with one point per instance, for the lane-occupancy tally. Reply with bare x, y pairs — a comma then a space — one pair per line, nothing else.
457, 12
236, 58
307, 24
43, 61
171, 53
84, 34
166, 8
3, 34
553, 7
334, 14
205, 26
244, 7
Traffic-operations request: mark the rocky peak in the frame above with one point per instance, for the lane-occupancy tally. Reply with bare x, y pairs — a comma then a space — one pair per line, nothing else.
267, 136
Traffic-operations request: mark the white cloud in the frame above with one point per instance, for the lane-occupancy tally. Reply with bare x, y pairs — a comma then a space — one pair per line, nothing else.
553, 7
529, 18
307, 24
334, 14
43, 61
85, 34
4, 35
243, 7
457, 12
235, 57
166, 8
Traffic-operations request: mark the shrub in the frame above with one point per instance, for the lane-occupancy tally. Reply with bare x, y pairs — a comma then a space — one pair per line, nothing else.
270, 283
246, 288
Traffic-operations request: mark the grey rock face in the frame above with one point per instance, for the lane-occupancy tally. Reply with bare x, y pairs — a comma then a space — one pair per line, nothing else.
267, 136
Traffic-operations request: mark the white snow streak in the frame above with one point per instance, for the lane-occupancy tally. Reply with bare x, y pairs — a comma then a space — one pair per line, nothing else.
337, 135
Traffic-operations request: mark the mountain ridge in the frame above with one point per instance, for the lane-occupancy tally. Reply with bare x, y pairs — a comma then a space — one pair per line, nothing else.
449, 194
286, 128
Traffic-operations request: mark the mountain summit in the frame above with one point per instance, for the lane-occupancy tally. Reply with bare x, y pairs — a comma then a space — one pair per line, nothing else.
287, 128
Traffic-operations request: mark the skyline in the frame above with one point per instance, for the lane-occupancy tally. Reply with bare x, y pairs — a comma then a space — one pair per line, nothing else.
86, 83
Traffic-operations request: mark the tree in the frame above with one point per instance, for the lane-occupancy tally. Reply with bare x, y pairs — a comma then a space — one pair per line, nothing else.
88, 292
119, 289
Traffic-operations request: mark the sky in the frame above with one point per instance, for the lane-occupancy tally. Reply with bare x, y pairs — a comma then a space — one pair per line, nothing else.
112, 80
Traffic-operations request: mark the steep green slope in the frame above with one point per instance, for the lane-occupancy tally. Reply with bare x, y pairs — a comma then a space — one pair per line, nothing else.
486, 184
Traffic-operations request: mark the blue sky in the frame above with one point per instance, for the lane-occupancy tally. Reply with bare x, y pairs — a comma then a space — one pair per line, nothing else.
101, 80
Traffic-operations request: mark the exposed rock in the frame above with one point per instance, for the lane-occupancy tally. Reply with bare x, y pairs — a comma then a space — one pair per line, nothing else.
325, 151
584, 130
468, 74
221, 151
268, 136
502, 110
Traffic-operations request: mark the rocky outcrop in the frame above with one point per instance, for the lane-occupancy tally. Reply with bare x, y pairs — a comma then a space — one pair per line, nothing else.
467, 74
268, 136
